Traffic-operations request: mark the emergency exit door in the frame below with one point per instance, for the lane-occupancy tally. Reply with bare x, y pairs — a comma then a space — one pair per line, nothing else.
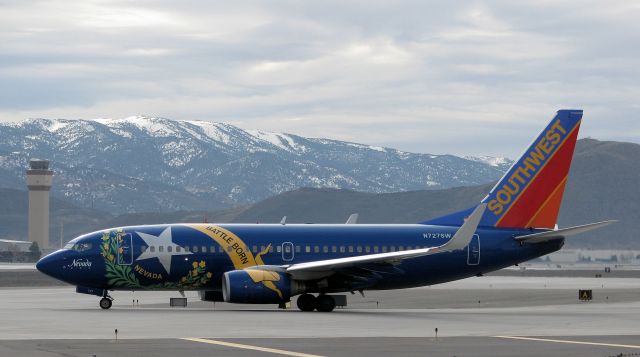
287, 251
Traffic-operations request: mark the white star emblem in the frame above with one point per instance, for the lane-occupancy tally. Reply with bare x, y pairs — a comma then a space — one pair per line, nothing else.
164, 239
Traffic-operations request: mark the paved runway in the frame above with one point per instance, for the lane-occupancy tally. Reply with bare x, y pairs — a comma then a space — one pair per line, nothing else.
57, 321
349, 347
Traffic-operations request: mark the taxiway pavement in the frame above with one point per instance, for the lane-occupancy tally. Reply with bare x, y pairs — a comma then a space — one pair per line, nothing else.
544, 311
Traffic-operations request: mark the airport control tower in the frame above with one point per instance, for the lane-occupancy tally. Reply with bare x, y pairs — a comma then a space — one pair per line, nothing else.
39, 179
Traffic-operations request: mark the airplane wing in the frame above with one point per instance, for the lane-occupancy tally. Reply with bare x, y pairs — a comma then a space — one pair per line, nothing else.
560, 233
460, 240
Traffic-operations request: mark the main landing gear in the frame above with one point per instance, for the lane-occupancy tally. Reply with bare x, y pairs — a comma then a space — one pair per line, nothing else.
106, 301
322, 303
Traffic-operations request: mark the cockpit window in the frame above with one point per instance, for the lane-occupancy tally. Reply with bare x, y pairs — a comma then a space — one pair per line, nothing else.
68, 245
81, 247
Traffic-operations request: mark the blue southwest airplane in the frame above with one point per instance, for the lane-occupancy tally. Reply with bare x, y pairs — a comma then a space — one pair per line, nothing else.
270, 263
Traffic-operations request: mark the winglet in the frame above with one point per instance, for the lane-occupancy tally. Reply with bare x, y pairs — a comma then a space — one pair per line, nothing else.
459, 241
464, 234
353, 219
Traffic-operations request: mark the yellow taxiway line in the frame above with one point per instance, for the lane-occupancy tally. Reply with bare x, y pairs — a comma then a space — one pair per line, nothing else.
568, 341
250, 347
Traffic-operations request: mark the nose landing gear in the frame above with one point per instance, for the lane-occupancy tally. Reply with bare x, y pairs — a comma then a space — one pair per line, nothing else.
105, 303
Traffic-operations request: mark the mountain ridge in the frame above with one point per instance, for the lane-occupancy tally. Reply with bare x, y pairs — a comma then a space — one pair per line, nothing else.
602, 185
140, 164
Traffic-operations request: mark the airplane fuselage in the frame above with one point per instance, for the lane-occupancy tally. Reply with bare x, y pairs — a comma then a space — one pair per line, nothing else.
270, 263
195, 256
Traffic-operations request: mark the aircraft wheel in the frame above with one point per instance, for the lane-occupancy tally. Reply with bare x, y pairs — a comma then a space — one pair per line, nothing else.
105, 303
306, 302
325, 303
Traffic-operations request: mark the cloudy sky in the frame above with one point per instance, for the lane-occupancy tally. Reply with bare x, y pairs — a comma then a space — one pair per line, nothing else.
476, 77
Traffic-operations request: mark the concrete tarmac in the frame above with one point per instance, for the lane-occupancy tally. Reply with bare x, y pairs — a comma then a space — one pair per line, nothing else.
308, 347
545, 311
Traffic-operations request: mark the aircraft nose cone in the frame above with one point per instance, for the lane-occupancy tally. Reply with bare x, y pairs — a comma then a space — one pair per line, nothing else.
50, 265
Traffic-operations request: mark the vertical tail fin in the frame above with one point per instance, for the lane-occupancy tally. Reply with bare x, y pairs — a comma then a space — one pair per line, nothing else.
530, 193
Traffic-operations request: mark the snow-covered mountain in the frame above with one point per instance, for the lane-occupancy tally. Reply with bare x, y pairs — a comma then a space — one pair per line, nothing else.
154, 164
501, 162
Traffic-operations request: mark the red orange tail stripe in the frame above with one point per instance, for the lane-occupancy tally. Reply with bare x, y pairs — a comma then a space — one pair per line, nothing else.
535, 194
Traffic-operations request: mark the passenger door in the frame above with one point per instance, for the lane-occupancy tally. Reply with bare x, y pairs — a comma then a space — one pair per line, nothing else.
125, 249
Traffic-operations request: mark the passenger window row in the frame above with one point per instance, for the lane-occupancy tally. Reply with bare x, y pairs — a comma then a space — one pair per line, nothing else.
298, 249
358, 248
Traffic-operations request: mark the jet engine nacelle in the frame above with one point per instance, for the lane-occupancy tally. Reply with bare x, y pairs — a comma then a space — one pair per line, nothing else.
253, 286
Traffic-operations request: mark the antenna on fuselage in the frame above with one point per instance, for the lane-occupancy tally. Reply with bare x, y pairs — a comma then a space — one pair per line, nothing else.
353, 219
283, 221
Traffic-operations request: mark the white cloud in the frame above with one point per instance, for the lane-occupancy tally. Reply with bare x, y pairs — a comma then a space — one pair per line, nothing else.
467, 78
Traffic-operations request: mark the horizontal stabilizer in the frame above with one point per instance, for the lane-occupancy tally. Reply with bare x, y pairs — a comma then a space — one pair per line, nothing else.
561, 233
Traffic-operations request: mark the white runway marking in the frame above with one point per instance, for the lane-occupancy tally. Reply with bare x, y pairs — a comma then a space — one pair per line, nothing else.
250, 347
568, 341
